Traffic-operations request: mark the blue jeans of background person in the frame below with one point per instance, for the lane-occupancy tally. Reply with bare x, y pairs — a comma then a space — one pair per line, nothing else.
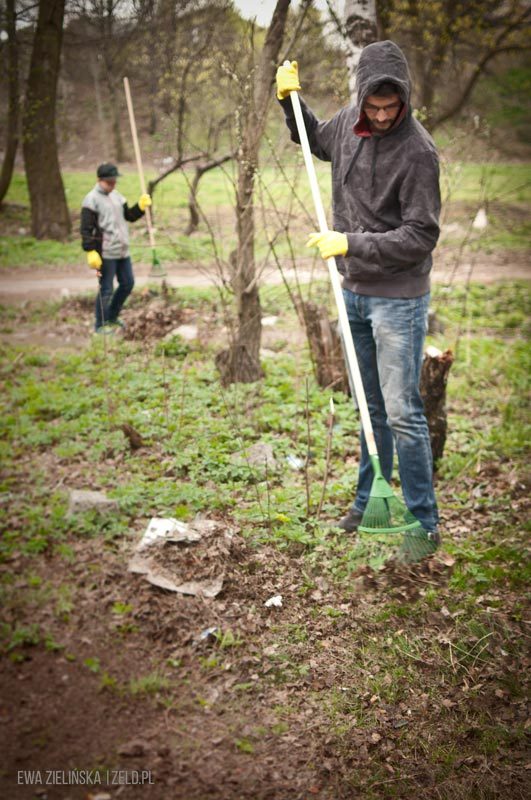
109, 304
389, 338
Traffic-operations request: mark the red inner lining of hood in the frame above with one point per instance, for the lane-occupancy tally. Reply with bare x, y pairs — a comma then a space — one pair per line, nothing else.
362, 127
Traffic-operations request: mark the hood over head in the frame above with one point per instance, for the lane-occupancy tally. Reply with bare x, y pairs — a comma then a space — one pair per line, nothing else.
382, 62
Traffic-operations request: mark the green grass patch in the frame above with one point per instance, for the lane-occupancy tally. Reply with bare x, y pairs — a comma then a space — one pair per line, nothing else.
504, 188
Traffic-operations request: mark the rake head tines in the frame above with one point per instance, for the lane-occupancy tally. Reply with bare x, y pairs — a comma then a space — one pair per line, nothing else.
157, 270
388, 529
387, 515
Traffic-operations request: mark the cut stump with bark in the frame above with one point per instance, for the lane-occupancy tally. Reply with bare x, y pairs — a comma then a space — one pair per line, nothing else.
236, 365
433, 380
330, 372
326, 349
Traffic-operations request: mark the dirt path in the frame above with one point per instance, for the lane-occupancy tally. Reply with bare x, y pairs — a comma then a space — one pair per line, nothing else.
19, 285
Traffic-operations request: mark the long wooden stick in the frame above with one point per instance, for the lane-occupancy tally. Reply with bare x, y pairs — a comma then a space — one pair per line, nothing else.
138, 157
346, 333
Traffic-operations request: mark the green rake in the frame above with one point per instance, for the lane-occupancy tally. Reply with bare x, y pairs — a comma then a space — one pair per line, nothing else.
391, 529
157, 270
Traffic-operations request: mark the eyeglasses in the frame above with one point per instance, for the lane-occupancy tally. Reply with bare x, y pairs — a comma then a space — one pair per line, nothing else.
388, 110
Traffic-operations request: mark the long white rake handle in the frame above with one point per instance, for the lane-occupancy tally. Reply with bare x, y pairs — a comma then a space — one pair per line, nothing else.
346, 333
138, 157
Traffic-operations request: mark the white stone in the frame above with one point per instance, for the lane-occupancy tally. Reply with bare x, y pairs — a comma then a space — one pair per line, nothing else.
187, 332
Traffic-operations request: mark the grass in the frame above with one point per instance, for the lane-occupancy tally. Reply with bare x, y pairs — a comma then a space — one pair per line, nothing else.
59, 403
153, 683
504, 188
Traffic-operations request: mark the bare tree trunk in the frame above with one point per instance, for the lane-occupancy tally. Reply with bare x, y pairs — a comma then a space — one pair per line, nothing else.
193, 206
361, 29
99, 105
13, 90
241, 362
119, 151
153, 118
49, 211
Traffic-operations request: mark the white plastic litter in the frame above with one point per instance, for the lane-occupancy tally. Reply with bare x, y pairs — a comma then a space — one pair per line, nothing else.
480, 220
275, 601
295, 462
167, 529
161, 531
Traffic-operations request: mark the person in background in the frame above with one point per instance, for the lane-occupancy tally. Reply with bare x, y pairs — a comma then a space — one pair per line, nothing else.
386, 206
105, 239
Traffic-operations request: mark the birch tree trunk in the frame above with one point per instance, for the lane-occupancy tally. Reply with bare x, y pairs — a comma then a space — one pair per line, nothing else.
361, 29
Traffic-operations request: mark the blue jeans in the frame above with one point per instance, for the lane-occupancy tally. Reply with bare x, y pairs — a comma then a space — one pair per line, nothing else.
109, 305
388, 338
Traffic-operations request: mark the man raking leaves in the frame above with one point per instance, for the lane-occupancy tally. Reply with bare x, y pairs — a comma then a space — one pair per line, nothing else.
105, 239
386, 205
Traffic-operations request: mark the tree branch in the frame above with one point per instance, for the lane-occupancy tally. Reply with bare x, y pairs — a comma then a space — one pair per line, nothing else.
178, 164
495, 50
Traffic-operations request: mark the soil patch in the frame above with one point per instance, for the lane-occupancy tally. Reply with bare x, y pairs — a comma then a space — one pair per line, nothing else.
132, 684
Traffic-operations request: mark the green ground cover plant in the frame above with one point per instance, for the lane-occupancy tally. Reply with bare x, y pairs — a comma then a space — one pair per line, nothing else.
71, 406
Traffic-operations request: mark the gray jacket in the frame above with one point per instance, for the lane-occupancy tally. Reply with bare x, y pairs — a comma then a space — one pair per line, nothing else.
104, 220
385, 189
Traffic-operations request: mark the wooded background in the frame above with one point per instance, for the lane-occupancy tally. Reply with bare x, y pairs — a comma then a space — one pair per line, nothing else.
203, 87
192, 63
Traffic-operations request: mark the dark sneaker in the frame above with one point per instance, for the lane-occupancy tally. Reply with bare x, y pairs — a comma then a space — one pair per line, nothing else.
351, 520
435, 538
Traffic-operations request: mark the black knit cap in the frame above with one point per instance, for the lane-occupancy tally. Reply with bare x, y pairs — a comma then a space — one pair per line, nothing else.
107, 171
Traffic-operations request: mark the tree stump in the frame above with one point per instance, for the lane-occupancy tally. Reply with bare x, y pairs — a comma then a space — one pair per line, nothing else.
326, 352
433, 379
326, 349
236, 365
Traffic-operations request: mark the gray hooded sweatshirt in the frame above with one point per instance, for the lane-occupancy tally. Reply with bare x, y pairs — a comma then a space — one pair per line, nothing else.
385, 188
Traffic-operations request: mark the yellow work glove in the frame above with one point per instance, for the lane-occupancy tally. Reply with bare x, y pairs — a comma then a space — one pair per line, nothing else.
144, 202
330, 243
94, 259
287, 80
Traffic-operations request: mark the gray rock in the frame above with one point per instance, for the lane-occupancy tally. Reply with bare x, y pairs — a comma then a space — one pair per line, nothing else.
257, 455
81, 500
